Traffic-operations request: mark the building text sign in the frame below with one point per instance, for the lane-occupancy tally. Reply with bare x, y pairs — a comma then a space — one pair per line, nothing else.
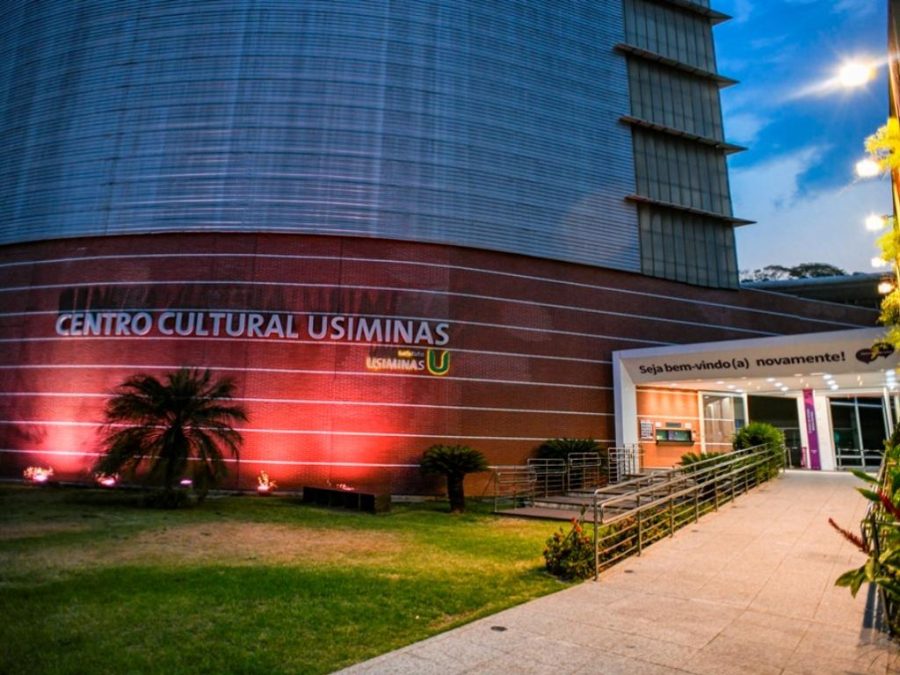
258, 325
844, 352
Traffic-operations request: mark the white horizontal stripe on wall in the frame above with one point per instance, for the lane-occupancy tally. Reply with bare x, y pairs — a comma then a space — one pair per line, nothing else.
292, 371
230, 460
294, 432
386, 289
443, 266
301, 401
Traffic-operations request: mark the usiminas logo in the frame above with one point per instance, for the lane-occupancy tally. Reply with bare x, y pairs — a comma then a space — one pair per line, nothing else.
393, 360
438, 361
878, 350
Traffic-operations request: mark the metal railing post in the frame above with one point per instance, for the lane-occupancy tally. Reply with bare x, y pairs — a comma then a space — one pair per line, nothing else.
733, 481
596, 540
671, 516
640, 533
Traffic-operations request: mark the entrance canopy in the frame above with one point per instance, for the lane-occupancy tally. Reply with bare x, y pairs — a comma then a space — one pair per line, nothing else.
839, 363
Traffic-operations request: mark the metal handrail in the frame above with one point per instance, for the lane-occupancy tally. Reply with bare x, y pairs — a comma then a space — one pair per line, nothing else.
730, 472
681, 473
625, 457
550, 474
858, 457
519, 482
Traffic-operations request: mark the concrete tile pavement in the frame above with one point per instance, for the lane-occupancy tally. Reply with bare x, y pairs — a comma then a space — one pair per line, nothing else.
749, 589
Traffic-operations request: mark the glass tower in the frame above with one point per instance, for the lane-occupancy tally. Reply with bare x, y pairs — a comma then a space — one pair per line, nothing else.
582, 131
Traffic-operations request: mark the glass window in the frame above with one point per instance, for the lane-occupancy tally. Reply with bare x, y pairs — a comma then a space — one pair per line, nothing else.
723, 414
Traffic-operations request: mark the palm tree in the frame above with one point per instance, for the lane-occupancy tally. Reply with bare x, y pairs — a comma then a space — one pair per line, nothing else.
186, 418
453, 462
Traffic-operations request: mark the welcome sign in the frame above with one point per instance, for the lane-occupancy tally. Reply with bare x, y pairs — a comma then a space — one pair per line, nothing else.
860, 350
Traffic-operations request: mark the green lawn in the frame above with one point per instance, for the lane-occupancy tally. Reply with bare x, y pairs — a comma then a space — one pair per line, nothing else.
90, 583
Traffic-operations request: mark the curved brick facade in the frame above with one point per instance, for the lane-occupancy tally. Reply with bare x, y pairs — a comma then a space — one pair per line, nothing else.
529, 343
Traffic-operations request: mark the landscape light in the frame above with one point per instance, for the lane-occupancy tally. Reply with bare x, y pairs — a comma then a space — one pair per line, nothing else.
107, 480
265, 485
38, 474
885, 287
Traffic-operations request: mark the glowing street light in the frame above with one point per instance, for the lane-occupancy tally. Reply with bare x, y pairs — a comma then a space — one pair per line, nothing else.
874, 222
867, 168
855, 74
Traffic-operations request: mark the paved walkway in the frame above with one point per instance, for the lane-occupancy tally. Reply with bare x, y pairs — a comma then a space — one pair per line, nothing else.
749, 589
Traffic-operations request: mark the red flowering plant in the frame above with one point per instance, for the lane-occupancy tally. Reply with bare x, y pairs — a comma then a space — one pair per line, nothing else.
879, 538
570, 555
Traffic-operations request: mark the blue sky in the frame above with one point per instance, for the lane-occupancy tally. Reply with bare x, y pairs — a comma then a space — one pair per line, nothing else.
797, 179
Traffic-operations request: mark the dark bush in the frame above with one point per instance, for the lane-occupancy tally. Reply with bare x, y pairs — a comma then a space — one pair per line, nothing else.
761, 433
561, 448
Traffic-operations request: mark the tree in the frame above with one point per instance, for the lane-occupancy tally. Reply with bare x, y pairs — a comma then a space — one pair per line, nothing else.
185, 418
801, 271
884, 148
453, 462
814, 270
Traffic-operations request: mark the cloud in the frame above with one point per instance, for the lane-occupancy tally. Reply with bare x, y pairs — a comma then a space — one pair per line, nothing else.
744, 127
742, 10
860, 7
794, 227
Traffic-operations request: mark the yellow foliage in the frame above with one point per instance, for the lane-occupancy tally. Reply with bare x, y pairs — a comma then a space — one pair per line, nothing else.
889, 243
890, 309
884, 145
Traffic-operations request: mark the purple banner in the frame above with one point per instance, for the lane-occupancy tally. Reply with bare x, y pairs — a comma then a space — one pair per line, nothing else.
811, 429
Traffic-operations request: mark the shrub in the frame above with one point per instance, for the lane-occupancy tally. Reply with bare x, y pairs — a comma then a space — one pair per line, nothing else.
453, 462
758, 433
688, 459
570, 555
561, 448
761, 433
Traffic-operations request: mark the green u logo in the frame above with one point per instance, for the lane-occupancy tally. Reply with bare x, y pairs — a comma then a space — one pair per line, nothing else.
438, 362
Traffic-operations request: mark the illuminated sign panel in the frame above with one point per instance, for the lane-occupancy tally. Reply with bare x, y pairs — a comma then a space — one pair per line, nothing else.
840, 352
